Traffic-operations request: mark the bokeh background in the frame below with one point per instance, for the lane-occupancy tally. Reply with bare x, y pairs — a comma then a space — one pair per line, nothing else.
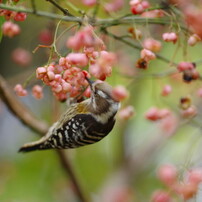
136, 146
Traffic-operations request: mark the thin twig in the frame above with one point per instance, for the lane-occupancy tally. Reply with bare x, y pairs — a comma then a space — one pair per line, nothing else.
42, 13
99, 22
33, 6
65, 11
25, 115
135, 46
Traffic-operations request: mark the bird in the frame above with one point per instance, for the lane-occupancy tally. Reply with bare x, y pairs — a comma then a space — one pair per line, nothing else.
83, 123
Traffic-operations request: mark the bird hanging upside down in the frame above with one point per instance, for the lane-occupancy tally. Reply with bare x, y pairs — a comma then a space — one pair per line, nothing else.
83, 123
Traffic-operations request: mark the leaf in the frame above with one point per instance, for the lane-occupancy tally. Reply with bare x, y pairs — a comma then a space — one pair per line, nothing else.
2, 20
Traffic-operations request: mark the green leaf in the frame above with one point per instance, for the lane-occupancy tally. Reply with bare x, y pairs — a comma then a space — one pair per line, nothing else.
2, 20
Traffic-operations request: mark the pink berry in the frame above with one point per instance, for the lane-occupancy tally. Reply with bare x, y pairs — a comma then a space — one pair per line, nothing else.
167, 89
46, 36
66, 87
10, 29
157, 13
37, 92
89, 2
187, 190
20, 91
40, 72
134, 2
193, 39
199, 92
114, 6
126, 113
137, 9
87, 92
189, 112
152, 114
21, 57
147, 55
170, 37
152, 44
119, 93
195, 176
161, 196
20, 16
182, 66
78, 59
163, 113
51, 75
167, 174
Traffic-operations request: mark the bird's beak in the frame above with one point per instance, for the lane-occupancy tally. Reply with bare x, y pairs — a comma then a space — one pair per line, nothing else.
90, 82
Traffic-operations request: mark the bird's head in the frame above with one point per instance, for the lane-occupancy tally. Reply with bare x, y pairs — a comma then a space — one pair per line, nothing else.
101, 96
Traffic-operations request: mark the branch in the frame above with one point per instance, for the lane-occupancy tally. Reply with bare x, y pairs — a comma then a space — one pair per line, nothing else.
41, 13
99, 22
24, 114
20, 110
65, 11
134, 45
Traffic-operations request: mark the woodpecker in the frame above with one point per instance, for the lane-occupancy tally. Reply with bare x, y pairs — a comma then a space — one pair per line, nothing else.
83, 123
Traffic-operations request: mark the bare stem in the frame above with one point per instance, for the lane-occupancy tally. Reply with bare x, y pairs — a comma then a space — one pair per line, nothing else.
138, 47
25, 115
42, 13
65, 11
128, 19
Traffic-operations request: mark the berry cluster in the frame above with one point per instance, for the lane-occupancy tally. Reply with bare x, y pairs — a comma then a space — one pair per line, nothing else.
9, 28
66, 77
185, 189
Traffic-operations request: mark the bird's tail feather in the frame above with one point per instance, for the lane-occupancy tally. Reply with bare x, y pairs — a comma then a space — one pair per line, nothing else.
40, 144
30, 147
37, 145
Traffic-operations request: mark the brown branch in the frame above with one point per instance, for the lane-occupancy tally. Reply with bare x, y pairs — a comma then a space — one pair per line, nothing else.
20, 110
25, 115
